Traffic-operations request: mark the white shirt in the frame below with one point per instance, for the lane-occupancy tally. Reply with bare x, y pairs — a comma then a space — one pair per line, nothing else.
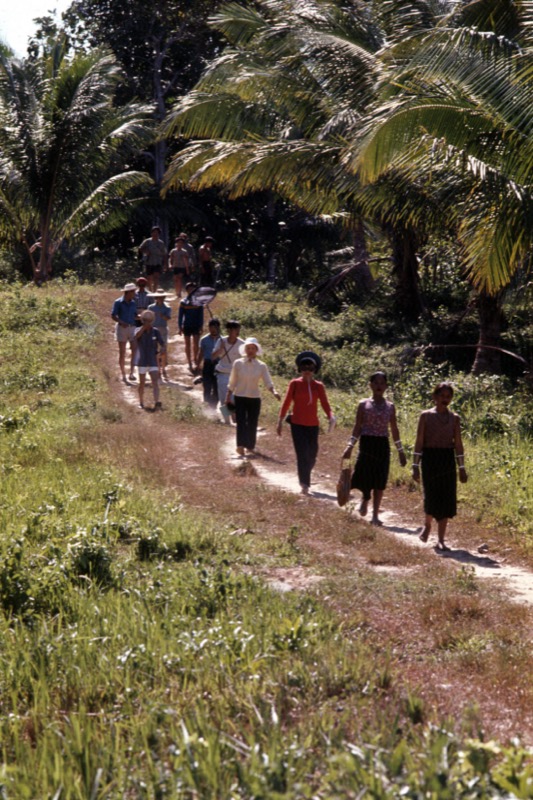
230, 353
245, 376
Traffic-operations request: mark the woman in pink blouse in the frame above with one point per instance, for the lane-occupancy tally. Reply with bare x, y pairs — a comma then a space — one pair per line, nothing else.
304, 394
371, 427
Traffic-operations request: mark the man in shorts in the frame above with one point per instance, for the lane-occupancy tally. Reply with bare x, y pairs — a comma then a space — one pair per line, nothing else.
205, 262
180, 263
123, 313
154, 254
190, 324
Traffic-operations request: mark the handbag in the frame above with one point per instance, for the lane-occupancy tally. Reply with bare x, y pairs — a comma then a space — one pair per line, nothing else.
344, 485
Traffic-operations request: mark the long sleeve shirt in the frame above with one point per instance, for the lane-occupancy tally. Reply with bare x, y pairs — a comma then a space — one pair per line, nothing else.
245, 376
304, 397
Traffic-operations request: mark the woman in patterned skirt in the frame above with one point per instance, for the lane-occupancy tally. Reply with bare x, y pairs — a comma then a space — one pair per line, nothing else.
438, 446
374, 417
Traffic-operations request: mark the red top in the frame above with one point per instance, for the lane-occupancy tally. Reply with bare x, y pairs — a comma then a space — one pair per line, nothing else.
304, 397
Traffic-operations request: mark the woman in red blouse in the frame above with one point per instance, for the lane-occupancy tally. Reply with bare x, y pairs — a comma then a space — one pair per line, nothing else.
303, 394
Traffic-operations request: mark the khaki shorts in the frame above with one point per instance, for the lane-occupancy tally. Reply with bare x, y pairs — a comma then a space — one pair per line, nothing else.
145, 370
124, 334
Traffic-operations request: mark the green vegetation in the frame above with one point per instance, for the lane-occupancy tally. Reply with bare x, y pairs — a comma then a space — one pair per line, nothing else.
139, 660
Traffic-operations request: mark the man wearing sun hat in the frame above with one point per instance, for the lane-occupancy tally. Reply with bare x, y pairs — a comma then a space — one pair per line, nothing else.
246, 374
163, 313
123, 313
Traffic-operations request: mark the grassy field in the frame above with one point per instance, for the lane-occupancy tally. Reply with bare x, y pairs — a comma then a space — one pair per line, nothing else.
142, 658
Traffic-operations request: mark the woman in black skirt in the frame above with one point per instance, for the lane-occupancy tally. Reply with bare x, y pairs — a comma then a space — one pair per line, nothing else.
438, 446
372, 421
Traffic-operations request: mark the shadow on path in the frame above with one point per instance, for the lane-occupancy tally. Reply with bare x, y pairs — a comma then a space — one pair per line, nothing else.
465, 557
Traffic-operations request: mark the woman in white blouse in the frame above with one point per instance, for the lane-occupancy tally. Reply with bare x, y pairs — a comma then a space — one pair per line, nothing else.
245, 377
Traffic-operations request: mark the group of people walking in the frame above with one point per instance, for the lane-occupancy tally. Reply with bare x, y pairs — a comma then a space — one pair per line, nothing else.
183, 261
231, 373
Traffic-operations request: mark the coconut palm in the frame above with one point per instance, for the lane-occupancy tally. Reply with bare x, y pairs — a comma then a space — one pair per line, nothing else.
62, 145
283, 109
462, 101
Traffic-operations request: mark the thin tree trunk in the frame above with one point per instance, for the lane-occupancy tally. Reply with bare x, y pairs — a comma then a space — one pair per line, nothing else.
491, 319
404, 253
160, 146
363, 276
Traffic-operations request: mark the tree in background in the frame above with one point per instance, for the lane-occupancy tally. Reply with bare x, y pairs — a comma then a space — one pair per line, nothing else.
459, 105
162, 48
63, 147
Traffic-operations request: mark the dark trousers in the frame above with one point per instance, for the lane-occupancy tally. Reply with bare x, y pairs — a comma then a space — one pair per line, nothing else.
305, 440
209, 380
247, 414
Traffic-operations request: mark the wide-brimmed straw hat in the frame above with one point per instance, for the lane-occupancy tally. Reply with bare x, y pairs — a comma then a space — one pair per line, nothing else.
129, 287
158, 293
308, 355
250, 340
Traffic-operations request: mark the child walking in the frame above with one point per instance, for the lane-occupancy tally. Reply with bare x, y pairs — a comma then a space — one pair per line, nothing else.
149, 344
438, 446
372, 421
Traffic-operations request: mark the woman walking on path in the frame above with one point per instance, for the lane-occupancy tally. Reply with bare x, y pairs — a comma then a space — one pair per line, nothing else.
246, 374
149, 342
438, 445
374, 417
304, 394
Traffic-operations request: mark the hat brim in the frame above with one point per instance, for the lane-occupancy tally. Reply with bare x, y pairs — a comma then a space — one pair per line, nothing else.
309, 355
242, 348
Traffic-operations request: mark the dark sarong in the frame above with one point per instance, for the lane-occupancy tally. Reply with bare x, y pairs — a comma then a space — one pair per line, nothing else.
439, 479
372, 465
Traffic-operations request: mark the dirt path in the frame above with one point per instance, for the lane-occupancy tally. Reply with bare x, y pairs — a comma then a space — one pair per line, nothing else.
279, 472
381, 583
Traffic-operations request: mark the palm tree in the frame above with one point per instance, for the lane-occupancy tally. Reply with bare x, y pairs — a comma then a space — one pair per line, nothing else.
62, 145
271, 111
463, 101
283, 109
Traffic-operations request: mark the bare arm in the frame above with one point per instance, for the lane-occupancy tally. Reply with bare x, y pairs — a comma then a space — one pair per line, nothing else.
459, 450
356, 431
419, 444
396, 437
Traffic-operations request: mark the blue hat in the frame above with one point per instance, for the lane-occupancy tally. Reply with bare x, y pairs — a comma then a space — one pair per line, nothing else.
308, 355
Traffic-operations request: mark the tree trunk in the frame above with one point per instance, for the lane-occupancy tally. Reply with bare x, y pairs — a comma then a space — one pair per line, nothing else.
363, 275
160, 146
491, 320
404, 253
